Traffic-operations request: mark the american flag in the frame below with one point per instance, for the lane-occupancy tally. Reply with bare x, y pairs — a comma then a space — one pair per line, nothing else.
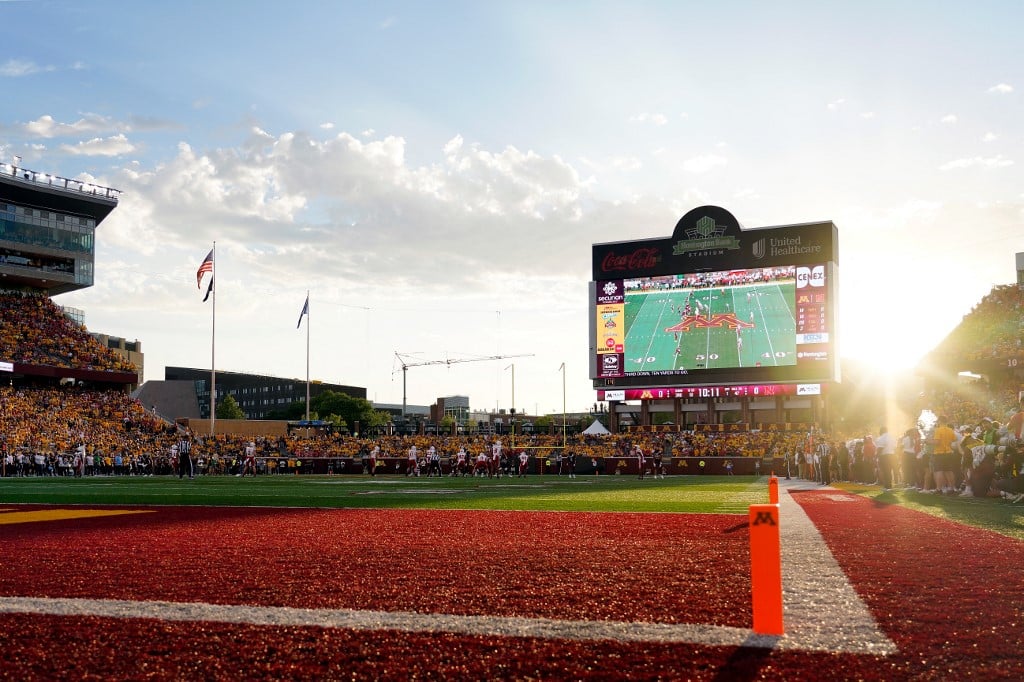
305, 311
205, 266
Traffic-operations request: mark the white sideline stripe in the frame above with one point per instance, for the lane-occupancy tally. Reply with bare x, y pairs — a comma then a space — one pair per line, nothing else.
818, 602
821, 611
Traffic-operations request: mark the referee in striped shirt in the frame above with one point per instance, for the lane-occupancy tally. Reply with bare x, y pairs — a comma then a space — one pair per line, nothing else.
824, 451
185, 455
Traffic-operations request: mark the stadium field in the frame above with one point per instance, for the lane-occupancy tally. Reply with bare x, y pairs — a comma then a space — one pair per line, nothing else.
534, 578
743, 325
680, 494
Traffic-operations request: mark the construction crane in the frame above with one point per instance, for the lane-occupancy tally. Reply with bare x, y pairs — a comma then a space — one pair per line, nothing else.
401, 357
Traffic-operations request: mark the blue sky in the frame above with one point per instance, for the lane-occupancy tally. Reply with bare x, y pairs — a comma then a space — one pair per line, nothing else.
435, 173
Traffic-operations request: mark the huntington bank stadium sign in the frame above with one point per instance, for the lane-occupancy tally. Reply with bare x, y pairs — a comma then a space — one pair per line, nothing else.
716, 305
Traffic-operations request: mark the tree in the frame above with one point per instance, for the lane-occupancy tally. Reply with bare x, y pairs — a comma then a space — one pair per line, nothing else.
349, 409
229, 409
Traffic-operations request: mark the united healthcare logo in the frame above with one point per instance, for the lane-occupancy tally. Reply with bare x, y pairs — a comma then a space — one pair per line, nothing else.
784, 246
759, 248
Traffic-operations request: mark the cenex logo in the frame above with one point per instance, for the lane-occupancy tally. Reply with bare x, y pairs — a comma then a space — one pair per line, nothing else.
814, 277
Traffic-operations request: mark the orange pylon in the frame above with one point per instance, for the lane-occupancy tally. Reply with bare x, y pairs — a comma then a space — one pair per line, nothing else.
766, 569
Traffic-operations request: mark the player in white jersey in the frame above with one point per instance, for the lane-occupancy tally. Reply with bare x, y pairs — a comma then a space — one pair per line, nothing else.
412, 463
460, 468
480, 467
249, 463
494, 468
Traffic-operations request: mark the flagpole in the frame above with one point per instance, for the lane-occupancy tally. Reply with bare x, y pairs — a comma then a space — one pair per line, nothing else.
213, 349
307, 357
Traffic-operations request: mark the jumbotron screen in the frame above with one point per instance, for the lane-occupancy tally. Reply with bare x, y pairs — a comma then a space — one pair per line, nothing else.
751, 324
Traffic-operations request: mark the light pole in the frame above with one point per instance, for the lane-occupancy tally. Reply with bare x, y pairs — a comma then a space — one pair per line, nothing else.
563, 406
513, 411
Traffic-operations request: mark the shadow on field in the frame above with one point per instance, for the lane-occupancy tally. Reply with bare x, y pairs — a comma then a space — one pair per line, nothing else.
745, 663
739, 526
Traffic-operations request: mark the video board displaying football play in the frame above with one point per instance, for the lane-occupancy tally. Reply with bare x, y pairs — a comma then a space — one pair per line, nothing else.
715, 305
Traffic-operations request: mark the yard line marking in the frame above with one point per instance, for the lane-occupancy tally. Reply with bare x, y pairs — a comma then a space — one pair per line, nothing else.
544, 628
11, 517
818, 600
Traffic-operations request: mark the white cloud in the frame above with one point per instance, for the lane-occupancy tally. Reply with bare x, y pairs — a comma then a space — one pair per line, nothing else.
115, 145
327, 126
704, 163
835, 104
977, 162
949, 119
17, 68
369, 132
1001, 89
344, 205
867, 115
989, 137
46, 126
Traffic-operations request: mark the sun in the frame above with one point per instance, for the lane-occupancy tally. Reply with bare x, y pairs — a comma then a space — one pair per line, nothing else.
883, 352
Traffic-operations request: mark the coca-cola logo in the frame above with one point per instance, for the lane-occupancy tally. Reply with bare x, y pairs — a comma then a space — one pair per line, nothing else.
640, 259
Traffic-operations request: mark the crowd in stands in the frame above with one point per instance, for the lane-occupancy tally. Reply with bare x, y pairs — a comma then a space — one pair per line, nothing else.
34, 331
69, 431
82, 432
992, 330
964, 454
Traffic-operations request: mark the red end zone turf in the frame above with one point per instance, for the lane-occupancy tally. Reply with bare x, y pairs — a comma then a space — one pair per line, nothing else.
947, 595
647, 567
950, 596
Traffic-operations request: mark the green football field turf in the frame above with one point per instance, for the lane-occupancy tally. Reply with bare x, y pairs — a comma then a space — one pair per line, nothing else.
759, 316
675, 494
711, 494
